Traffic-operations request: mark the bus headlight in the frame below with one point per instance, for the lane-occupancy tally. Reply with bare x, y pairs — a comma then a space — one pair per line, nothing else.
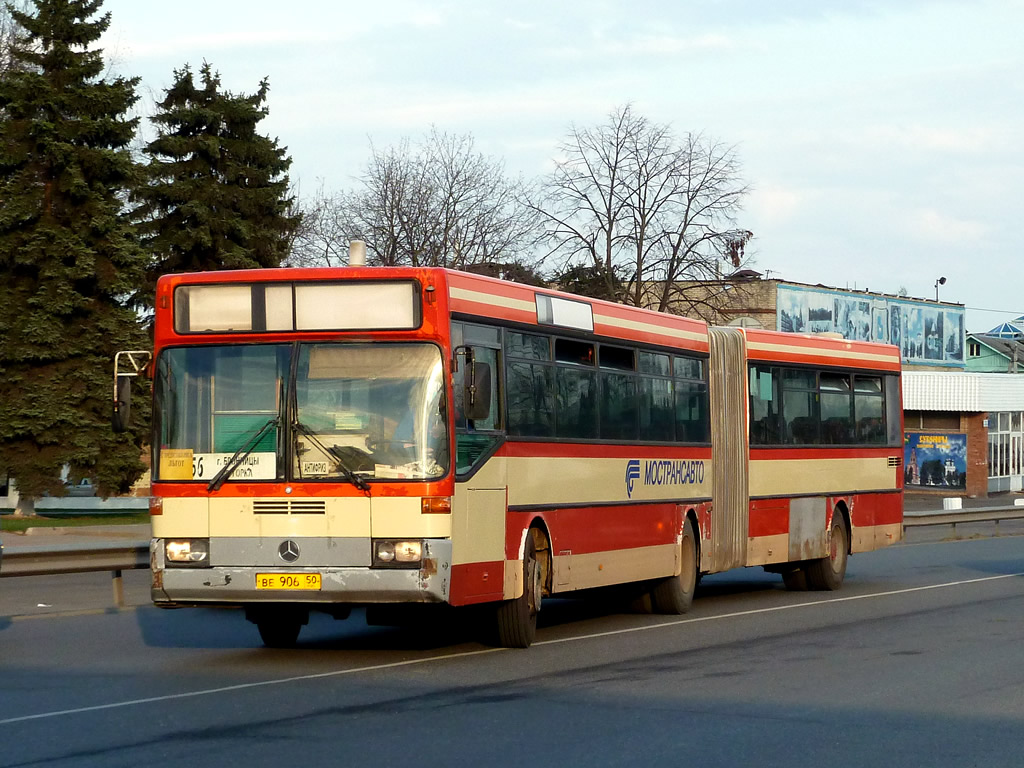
389, 553
194, 552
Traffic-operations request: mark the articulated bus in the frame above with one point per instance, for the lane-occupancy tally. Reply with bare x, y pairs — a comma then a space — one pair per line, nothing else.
331, 438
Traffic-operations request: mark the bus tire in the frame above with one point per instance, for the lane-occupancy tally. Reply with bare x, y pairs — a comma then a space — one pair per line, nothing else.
517, 619
674, 595
827, 573
795, 579
280, 629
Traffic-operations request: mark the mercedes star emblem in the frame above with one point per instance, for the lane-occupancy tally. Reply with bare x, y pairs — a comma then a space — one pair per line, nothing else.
288, 551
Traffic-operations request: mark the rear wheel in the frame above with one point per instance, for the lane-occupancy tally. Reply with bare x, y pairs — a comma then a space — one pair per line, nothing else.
795, 579
517, 619
675, 594
828, 572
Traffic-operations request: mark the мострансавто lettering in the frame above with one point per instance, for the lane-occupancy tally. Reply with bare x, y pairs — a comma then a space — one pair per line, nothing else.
673, 472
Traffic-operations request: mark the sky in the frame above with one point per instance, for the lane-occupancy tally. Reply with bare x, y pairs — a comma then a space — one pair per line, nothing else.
883, 141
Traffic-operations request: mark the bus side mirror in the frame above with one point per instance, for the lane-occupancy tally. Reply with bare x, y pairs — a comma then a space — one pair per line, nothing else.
478, 392
121, 416
127, 365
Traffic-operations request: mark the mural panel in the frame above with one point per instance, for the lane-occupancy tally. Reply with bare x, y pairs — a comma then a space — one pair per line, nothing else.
926, 333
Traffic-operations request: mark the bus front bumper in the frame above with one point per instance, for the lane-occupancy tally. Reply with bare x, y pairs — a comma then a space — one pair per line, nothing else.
429, 583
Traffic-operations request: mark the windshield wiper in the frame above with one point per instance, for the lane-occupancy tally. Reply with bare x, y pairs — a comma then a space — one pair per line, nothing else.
239, 456
346, 473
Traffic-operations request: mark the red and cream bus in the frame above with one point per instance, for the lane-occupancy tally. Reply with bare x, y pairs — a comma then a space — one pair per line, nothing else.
329, 438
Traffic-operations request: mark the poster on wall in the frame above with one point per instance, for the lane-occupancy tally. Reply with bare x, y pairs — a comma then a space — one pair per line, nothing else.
935, 460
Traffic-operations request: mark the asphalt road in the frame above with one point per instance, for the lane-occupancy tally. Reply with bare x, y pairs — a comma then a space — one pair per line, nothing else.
918, 661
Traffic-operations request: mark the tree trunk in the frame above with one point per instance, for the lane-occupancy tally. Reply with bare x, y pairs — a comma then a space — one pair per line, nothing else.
26, 507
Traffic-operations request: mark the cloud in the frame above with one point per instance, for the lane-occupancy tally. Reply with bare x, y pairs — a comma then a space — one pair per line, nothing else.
181, 46
774, 202
619, 48
934, 226
964, 140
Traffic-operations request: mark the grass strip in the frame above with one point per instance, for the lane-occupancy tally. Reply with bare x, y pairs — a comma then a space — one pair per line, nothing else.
18, 524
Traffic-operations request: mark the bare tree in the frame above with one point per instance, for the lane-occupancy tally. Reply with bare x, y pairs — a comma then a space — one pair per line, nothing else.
584, 205
646, 213
321, 239
436, 203
9, 30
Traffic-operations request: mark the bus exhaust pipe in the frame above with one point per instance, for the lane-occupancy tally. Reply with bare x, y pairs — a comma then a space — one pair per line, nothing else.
357, 253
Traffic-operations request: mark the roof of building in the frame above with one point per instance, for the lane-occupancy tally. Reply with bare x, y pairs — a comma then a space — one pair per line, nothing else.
1011, 330
869, 293
963, 392
1003, 346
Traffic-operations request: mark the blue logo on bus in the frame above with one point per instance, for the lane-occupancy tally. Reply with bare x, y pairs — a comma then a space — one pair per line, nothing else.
632, 475
664, 472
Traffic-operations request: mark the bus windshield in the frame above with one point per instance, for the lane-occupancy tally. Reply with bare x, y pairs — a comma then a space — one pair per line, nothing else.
342, 412
376, 410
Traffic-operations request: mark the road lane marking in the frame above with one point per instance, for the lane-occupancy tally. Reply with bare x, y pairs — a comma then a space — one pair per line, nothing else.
485, 651
18, 617
755, 611
244, 686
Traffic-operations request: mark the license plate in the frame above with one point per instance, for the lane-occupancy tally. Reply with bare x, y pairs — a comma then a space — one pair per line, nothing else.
287, 581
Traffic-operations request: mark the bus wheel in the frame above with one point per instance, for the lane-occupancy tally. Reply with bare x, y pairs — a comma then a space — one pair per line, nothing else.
517, 619
795, 579
828, 572
675, 594
279, 628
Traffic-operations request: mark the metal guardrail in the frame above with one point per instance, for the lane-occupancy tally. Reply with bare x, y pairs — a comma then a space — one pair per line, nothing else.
115, 558
32, 561
962, 516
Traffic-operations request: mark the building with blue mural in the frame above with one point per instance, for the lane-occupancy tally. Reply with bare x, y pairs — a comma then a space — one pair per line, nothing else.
928, 333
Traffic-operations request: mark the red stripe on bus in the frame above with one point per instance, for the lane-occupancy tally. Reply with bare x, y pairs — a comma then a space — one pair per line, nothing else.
587, 530
870, 509
333, 488
811, 341
825, 361
803, 348
477, 582
661, 329
769, 517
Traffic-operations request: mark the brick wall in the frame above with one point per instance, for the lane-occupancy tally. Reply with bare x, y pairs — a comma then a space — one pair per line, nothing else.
977, 453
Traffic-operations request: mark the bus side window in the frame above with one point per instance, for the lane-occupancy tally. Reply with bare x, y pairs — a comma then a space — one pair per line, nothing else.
764, 406
488, 357
476, 439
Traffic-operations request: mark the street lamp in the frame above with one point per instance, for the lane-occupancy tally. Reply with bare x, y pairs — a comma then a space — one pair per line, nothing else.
940, 281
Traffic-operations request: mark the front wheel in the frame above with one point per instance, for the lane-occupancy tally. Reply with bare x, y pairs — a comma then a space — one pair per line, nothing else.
517, 619
674, 595
279, 628
827, 573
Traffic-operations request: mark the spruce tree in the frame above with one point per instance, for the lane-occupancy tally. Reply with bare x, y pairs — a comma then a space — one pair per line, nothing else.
216, 191
68, 255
